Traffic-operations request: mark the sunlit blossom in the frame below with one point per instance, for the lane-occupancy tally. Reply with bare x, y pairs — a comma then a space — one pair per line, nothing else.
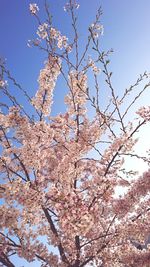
69, 5
33, 8
42, 31
60, 172
3, 83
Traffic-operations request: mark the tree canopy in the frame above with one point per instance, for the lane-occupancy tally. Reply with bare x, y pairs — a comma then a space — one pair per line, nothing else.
59, 174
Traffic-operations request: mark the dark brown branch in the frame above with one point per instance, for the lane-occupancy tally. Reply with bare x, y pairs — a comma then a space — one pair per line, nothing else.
23, 166
121, 146
77, 243
5, 260
139, 215
96, 238
92, 257
54, 230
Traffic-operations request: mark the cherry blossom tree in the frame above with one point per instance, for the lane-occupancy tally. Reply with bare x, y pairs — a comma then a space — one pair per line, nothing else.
59, 173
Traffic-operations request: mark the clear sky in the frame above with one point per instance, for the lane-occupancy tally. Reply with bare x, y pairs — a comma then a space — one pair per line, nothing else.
126, 30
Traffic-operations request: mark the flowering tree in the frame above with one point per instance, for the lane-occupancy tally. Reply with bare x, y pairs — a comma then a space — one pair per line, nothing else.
59, 174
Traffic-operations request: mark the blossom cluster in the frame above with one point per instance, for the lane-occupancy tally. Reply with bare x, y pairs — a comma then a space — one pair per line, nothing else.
33, 8
62, 40
78, 92
53, 35
96, 30
59, 173
140, 188
70, 5
43, 31
3, 83
144, 112
77, 220
95, 69
47, 80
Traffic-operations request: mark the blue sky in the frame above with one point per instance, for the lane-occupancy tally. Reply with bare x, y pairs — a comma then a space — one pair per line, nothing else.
126, 30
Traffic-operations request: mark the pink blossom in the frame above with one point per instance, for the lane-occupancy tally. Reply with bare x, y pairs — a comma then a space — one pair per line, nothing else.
33, 8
